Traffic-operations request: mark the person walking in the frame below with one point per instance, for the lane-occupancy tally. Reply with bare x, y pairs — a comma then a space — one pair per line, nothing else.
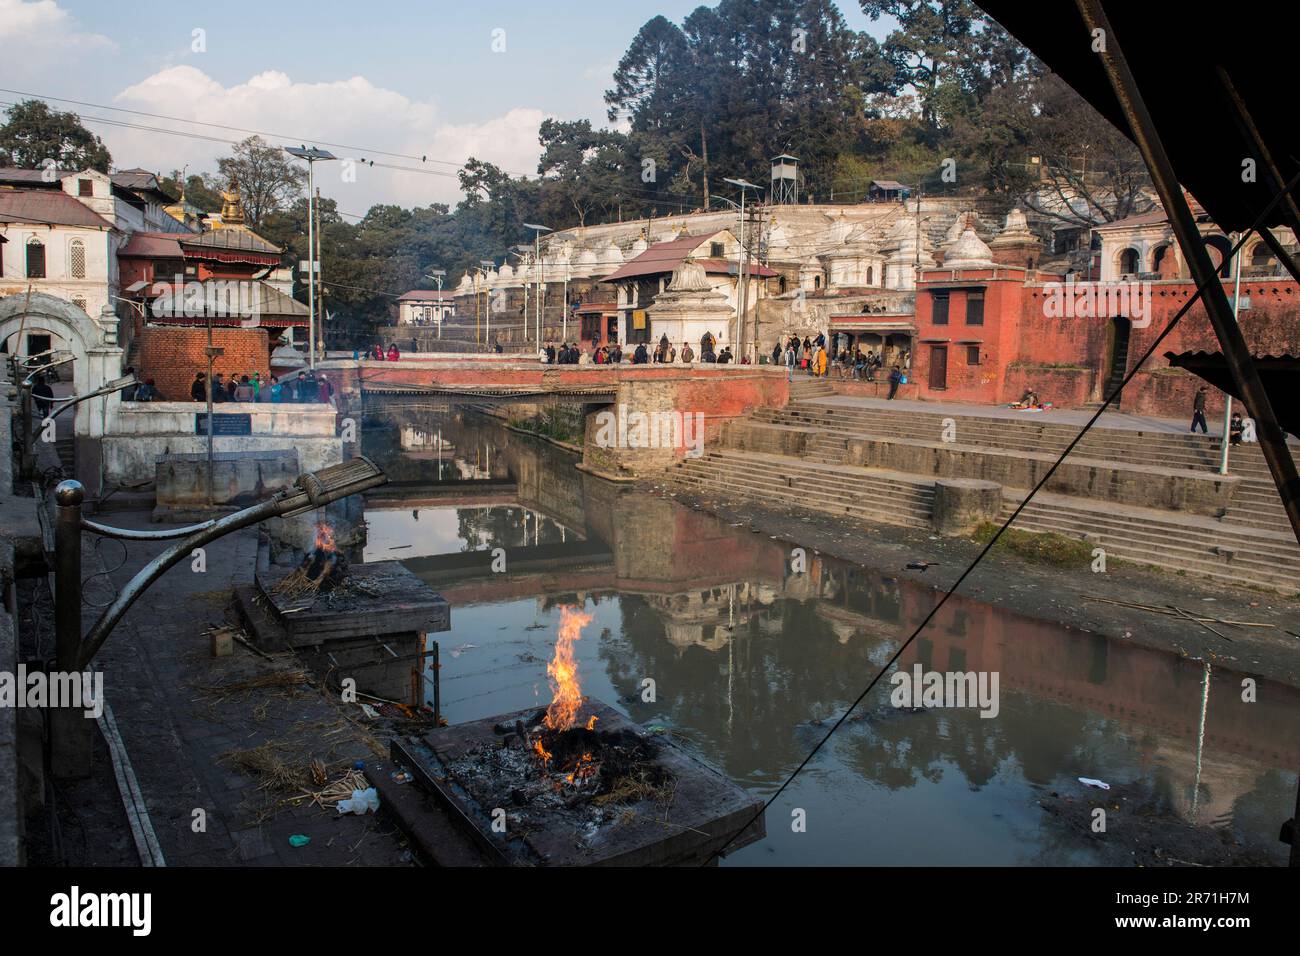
277, 390
1198, 411
895, 377
789, 363
687, 355
199, 388
43, 396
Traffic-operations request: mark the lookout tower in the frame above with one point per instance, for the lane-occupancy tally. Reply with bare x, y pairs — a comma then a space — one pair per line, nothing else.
785, 180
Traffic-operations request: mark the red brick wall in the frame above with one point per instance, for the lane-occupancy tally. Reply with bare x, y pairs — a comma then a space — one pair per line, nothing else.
1066, 358
172, 355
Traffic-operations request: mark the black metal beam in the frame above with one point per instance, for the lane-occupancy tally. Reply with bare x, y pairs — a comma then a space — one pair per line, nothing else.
1236, 354
1272, 441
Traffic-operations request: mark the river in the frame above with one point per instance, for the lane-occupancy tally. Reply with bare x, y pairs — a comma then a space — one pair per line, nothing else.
754, 649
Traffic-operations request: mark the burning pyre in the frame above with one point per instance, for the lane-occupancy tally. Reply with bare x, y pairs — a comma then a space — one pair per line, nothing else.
557, 759
323, 569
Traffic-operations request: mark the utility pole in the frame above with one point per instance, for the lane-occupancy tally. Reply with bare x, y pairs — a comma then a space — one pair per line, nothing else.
537, 265
742, 264
318, 267
311, 155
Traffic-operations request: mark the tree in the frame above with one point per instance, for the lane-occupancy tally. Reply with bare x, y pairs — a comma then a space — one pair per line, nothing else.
35, 134
201, 191
1094, 174
934, 45
267, 178
581, 166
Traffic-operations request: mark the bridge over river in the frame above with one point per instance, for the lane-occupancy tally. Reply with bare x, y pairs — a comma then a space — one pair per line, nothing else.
714, 393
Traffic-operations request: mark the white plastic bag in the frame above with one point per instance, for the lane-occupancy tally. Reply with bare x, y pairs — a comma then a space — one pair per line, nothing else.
363, 801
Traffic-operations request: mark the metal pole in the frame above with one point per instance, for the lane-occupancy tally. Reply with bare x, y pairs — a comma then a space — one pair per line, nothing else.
565, 320
320, 299
1236, 353
537, 263
437, 686
740, 280
70, 734
211, 354
311, 270
1227, 399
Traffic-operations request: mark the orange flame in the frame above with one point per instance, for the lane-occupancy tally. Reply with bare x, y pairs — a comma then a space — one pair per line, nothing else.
324, 538
585, 768
563, 672
542, 751
591, 723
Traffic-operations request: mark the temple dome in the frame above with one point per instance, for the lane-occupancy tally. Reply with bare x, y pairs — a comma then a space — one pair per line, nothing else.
968, 252
689, 277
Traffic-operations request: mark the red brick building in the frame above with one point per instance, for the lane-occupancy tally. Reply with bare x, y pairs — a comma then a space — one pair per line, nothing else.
986, 331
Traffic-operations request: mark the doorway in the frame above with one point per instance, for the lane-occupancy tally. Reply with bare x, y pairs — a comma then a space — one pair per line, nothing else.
938, 366
1120, 331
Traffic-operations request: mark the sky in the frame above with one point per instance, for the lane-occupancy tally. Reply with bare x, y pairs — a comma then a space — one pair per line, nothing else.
434, 81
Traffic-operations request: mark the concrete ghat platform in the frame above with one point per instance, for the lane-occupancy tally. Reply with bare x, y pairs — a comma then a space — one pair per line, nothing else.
705, 812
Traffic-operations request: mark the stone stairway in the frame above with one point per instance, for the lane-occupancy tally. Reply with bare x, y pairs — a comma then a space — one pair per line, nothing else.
1169, 540
795, 457
891, 497
804, 388
1255, 505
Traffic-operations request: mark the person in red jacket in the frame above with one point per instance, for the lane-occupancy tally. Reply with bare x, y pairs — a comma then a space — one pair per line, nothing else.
393, 354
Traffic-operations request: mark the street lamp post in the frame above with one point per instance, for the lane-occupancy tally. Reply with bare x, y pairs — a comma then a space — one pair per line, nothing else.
437, 275
485, 265
311, 155
742, 279
537, 263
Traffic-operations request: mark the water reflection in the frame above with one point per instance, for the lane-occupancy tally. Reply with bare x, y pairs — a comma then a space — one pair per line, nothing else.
751, 661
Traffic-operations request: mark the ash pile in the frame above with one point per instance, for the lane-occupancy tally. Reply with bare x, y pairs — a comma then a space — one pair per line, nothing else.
585, 774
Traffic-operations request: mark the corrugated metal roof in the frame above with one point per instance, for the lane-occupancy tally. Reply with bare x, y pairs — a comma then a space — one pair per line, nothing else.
664, 257
151, 245
427, 295
661, 257
230, 239
48, 207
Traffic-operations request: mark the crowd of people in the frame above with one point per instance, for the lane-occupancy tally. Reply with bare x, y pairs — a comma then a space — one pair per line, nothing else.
307, 387
811, 356
612, 353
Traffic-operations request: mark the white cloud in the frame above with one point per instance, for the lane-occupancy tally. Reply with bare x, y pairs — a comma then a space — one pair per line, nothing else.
352, 111
43, 24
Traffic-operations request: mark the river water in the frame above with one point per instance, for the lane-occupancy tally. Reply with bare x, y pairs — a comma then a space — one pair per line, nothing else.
752, 659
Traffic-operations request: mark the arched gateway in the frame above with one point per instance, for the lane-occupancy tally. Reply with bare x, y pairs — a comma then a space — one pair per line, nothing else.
93, 345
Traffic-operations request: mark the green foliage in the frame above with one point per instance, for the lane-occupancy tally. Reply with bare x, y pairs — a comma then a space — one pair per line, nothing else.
34, 134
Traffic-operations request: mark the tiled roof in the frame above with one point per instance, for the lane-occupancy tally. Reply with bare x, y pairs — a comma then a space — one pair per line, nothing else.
48, 207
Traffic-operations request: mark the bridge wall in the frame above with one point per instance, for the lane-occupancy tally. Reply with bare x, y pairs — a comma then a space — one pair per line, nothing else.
628, 408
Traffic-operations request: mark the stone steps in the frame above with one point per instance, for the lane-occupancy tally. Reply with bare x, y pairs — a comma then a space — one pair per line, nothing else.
774, 479
1165, 545
1258, 508
1136, 447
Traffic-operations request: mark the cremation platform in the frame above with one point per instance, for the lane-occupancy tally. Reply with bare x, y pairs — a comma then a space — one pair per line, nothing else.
484, 772
372, 600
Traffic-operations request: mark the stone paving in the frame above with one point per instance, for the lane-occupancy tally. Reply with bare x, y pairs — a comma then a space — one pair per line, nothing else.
158, 676
1058, 416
